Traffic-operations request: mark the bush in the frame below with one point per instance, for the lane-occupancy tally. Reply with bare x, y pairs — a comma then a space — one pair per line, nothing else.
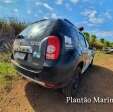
97, 43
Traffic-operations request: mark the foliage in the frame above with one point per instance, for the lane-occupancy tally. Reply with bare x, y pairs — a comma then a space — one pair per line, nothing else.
8, 25
7, 71
17, 26
8, 31
97, 43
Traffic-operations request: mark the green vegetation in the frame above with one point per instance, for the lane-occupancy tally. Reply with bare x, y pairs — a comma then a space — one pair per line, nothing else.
7, 72
8, 31
97, 43
12, 24
6, 68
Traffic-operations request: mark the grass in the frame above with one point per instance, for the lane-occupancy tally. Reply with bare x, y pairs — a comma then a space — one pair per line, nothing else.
7, 72
6, 68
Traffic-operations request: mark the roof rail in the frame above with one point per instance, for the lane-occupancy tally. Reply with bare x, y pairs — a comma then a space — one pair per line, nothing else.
79, 28
40, 20
69, 22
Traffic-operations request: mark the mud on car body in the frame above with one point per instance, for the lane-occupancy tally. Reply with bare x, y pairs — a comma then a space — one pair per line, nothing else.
52, 53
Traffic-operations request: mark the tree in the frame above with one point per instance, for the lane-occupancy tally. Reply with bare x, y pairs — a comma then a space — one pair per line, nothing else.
93, 40
102, 40
107, 44
112, 44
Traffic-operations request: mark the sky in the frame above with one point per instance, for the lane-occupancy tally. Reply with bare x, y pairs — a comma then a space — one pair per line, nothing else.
96, 16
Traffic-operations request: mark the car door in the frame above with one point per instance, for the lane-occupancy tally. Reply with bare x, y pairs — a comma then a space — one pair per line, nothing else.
84, 51
90, 53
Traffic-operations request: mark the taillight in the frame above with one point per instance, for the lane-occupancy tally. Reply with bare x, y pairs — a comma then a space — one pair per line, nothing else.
53, 48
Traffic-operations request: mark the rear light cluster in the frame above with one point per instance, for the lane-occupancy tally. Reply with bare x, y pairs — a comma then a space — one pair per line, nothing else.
53, 48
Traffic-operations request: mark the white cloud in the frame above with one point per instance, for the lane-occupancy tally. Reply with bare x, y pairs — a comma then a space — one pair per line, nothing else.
105, 33
89, 1
74, 1
38, 3
36, 15
92, 16
47, 6
53, 15
15, 10
40, 11
108, 15
7, 1
85, 0
68, 6
59, 2
29, 11
45, 17
95, 18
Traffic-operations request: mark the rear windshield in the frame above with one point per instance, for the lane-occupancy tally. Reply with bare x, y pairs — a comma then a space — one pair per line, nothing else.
36, 30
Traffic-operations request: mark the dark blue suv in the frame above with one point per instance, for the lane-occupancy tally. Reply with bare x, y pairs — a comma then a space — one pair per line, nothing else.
52, 53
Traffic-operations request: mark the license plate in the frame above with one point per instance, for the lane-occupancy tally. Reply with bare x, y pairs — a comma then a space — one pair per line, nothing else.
19, 55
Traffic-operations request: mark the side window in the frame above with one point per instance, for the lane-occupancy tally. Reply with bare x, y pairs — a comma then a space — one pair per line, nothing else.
82, 41
62, 28
67, 30
87, 43
68, 34
74, 36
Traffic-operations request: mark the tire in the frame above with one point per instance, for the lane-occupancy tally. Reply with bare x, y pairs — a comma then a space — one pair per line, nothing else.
72, 88
91, 63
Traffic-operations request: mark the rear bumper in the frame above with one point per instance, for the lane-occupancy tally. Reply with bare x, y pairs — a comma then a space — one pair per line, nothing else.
47, 77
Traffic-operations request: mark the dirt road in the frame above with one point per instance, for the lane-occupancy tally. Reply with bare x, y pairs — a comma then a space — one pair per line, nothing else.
27, 96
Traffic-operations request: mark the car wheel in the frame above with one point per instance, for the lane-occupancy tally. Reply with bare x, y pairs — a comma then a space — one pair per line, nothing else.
72, 87
91, 64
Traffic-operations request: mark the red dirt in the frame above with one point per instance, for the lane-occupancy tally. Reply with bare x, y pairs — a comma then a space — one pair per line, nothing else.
27, 96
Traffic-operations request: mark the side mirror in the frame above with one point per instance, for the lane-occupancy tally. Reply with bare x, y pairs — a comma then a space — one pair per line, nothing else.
81, 29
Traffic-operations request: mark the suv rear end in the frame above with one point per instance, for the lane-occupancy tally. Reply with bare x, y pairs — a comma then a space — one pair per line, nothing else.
39, 54
52, 53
